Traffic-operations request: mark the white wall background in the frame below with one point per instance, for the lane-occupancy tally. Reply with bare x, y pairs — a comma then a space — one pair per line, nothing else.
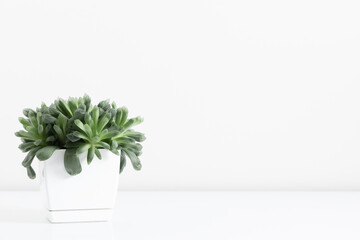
235, 94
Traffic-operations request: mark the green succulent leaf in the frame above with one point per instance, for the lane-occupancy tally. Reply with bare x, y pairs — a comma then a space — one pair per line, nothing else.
88, 130
122, 161
50, 139
139, 137
95, 139
134, 159
103, 121
72, 103
81, 135
24, 122
47, 118
133, 122
40, 129
136, 147
98, 154
32, 130
104, 105
25, 135
53, 111
123, 117
104, 132
30, 157
27, 111
118, 116
72, 162
33, 120
90, 155
63, 107
88, 119
113, 105
95, 114
80, 125
82, 107
103, 145
110, 134
39, 117
72, 137
38, 142
114, 151
114, 144
83, 148
62, 122
125, 140
48, 129
87, 101
30, 172
59, 133
27, 146
46, 152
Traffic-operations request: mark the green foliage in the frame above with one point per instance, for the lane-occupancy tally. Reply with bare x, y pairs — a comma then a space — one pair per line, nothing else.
79, 127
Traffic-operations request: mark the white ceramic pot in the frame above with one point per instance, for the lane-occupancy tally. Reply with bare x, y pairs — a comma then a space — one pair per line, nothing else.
88, 196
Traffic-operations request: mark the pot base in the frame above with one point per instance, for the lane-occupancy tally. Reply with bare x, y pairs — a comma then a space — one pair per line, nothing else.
80, 215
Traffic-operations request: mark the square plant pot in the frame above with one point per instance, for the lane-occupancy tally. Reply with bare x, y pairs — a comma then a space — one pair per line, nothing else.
86, 197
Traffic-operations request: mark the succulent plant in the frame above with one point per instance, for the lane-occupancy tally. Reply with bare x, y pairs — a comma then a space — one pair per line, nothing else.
78, 126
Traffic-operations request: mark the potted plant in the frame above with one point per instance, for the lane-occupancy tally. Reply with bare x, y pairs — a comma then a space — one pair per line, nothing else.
69, 135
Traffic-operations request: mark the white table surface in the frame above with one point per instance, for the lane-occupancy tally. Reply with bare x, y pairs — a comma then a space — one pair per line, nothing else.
195, 215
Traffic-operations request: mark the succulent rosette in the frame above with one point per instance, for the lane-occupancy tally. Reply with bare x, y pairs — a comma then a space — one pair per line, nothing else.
78, 126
